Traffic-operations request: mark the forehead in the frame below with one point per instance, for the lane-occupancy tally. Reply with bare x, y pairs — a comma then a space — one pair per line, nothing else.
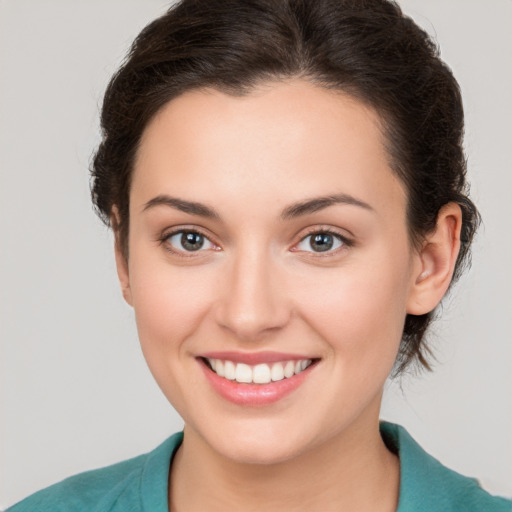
291, 138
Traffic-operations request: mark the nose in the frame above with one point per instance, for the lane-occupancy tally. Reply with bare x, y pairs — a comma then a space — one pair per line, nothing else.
253, 301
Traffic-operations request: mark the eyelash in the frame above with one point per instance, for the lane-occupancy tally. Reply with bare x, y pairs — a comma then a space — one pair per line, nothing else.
346, 242
164, 239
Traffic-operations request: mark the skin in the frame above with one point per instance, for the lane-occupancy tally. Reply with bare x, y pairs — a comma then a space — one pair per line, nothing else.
257, 284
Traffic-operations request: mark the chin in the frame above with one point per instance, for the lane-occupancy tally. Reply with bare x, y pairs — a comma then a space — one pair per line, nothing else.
257, 442
256, 452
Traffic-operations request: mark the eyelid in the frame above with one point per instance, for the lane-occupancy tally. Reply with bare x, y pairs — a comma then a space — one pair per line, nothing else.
167, 234
346, 241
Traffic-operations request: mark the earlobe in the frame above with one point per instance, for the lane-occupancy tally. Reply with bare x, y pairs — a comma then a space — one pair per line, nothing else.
122, 274
435, 262
121, 260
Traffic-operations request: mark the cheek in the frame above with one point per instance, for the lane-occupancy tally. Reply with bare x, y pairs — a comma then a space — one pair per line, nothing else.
360, 311
169, 303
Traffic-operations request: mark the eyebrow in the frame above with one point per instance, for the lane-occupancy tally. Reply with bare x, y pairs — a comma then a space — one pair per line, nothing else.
319, 203
185, 206
290, 212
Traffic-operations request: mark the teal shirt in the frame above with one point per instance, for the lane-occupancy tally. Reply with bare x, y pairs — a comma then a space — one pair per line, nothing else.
140, 484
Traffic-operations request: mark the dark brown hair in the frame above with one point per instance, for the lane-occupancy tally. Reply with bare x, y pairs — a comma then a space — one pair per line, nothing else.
366, 48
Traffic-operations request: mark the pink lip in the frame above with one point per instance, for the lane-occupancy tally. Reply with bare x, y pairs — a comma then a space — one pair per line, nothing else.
253, 358
254, 394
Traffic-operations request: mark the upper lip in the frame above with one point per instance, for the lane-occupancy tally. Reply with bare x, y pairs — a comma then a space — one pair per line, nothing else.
252, 358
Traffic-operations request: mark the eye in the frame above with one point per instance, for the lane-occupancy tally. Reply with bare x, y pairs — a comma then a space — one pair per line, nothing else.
188, 241
321, 241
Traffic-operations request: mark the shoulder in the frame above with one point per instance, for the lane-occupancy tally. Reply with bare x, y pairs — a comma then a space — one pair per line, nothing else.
139, 483
92, 490
427, 485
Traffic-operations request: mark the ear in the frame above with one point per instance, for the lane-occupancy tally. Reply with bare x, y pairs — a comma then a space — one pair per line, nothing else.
121, 259
435, 262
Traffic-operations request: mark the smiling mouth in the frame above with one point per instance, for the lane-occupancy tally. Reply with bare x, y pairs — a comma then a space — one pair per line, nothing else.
262, 373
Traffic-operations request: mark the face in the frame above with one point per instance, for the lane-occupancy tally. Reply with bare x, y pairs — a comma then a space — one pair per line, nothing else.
269, 266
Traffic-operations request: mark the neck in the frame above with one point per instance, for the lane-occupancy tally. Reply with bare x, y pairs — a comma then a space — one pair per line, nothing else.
353, 471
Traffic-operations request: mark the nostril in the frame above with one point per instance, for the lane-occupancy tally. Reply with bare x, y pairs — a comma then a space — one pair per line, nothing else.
252, 303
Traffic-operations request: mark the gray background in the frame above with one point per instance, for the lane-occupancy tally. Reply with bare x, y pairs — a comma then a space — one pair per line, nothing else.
75, 391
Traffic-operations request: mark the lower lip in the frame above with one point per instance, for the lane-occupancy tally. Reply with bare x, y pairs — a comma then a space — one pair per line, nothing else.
254, 394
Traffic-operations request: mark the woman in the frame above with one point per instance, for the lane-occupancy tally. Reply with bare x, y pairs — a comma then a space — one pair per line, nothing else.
286, 184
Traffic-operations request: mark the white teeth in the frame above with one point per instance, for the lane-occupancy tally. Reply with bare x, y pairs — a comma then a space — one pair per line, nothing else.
289, 369
229, 370
243, 373
277, 372
219, 367
258, 374
261, 374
